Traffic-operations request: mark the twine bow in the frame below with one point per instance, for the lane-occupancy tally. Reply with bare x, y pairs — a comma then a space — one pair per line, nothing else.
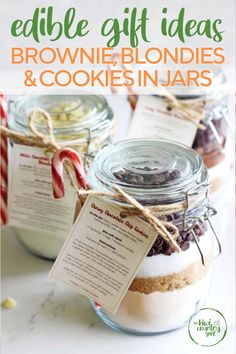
46, 141
167, 230
189, 110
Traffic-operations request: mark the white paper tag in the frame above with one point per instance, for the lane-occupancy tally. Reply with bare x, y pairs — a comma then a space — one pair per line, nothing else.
31, 203
103, 252
151, 119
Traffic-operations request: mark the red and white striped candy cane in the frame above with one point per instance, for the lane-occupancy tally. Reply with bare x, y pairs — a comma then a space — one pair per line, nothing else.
97, 306
57, 170
3, 161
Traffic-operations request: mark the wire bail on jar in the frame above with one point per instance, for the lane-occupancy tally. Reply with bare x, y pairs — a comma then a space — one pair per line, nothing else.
90, 131
223, 114
190, 222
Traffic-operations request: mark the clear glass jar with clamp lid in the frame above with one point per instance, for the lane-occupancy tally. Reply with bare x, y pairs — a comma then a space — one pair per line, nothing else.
84, 122
172, 181
210, 142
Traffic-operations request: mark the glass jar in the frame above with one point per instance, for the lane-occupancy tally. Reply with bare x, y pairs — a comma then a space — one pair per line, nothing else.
211, 142
84, 122
169, 287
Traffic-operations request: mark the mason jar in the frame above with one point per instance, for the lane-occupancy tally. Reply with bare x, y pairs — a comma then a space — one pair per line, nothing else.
84, 122
211, 142
170, 286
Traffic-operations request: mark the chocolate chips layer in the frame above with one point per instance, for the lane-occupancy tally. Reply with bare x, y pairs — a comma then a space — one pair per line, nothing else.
155, 179
205, 139
183, 240
147, 180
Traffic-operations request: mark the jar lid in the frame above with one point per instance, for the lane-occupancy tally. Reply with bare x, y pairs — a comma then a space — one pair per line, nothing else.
150, 170
68, 112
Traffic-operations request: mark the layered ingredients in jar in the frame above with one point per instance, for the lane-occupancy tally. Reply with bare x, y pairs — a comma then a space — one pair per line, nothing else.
83, 122
169, 287
210, 142
211, 145
167, 290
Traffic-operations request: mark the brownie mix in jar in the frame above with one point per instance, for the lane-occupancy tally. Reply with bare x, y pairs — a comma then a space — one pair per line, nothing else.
83, 122
170, 286
210, 142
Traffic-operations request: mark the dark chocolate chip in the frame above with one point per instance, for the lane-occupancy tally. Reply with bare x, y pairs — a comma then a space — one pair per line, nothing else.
143, 179
185, 246
183, 240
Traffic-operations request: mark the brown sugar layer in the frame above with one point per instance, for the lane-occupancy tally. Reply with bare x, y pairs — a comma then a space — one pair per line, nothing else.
170, 282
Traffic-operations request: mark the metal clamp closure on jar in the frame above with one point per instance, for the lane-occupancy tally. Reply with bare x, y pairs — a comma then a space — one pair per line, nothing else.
190, 222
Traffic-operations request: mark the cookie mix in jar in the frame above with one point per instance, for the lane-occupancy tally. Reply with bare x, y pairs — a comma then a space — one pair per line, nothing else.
84, 122
170, 286
210, 142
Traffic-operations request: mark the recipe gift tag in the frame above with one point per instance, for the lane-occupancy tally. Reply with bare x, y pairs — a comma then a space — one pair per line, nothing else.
151, 119
31, 203
103, 252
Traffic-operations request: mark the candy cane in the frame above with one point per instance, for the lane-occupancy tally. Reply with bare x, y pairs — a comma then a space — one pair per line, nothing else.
3, 161
97, 306
57, 170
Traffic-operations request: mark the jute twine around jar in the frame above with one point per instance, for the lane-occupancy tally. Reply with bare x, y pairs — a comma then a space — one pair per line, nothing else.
153, 215
189, 110
185, 108
167, 230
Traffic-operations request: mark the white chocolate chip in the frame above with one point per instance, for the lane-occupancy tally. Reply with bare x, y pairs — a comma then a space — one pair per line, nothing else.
9, 303
62, 117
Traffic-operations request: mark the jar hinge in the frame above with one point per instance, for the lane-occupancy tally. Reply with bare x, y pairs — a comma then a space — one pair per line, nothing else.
224, 114
216, 135
193, 192
206, 217
88, 155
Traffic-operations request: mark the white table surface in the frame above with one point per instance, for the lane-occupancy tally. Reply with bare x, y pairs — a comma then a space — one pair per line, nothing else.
53, 319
